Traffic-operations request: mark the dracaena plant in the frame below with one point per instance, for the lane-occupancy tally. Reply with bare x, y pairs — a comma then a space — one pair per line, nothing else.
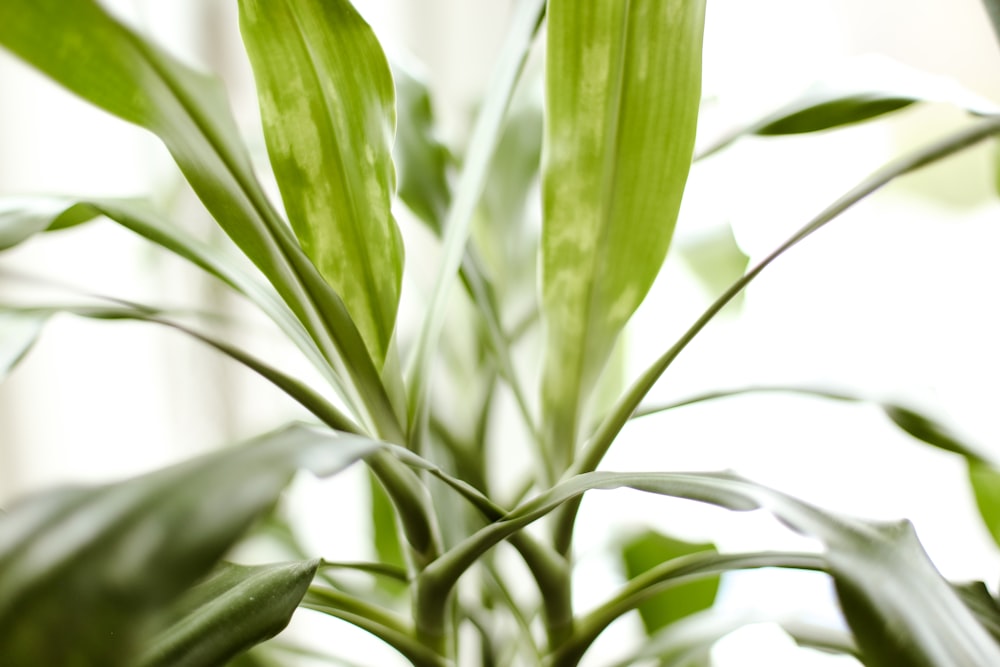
134, 572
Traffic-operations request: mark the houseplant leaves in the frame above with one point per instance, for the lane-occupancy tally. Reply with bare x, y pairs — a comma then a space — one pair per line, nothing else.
94, 565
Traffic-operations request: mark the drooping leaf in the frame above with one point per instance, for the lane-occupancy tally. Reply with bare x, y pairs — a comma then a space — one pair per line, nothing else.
83, 48
900, 609
22, 218
925, 429
421, 159
328, 106
234, 608
623, 83
18, 333
91, 565
649, 549
868, 88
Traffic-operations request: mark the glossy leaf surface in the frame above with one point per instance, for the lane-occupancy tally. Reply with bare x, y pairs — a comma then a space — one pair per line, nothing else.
231, 610
86, 564
328, 106
623, 82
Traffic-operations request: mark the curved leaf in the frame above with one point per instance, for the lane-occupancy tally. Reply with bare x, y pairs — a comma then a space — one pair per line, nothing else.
870, 87
86, 564
22, 218
233, 609
902, 612
623, 82
79, 45
328, 107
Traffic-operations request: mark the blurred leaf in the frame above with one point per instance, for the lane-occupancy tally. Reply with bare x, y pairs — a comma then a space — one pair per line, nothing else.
92, 565
421, 159
18, 333
231, 610
867, 88
623, 85
117, 70
328, 106
22, 218
985, 481
993, 10
644, 552
977, 598
925, 429
385, 534
715, 260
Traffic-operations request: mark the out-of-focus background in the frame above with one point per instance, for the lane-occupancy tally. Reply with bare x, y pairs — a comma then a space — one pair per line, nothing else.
896, 300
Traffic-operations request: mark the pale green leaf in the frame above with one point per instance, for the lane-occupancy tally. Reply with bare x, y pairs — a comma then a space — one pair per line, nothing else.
91, 565
993, 10
623, 84
421, 159
328, 107
985, 481
228, 612
18, 333
21, 218
84, 49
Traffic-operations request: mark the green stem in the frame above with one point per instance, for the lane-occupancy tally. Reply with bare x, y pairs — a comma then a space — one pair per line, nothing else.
609, 429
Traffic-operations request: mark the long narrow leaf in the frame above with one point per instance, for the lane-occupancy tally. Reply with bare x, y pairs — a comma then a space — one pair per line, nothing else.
234, 608
75, 563
79, 45
623, 86
328, 107
870, 88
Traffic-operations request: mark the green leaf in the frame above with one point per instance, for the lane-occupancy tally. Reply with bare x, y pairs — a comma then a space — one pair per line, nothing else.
925, 429
22, 218
421, 159
80, 46
985, 481
234, 608
328, 107
993, 10
869, 88
623, 83
18, 333
978, 599
89, 564
644, 552
385, 535
902, 612
715, 260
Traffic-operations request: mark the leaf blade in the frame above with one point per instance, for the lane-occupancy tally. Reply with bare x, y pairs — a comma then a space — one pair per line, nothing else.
328, 106
621, 77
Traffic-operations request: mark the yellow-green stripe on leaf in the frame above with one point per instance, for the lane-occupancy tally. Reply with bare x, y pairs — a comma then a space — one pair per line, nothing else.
623, 84
328, 106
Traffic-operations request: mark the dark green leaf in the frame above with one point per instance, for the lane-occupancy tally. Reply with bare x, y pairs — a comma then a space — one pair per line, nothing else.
925, 429
421, 160
978, 599
234, 608
92, 565
644, 552
993, 10
873, 87
328, 106
623, 82
18, 332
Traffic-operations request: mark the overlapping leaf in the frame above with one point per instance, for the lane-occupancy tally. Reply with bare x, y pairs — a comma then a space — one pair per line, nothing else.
90, 565
231, 610
328, 106
623, 83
